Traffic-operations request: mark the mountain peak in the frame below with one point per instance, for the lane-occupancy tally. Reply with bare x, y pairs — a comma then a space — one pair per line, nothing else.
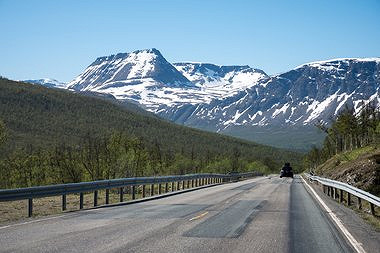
148, 50
125, 73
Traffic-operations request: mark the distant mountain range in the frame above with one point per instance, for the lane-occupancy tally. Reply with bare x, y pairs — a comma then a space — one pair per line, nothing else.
237, 100
47, 82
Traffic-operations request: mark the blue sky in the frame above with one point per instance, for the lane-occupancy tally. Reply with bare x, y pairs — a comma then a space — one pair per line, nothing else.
59, 39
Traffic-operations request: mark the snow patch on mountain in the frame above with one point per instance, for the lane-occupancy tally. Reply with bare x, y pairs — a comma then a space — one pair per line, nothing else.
222, 79
333, 64
47, 82
146, 78
217, 97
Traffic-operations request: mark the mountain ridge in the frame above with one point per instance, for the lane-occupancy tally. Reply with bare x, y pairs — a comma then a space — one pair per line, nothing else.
225, 98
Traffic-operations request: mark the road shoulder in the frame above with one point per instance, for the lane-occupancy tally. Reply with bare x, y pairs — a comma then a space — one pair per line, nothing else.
363, 232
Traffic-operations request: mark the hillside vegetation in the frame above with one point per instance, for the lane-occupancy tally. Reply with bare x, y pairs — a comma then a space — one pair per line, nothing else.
351, 150
360, 168
56, 136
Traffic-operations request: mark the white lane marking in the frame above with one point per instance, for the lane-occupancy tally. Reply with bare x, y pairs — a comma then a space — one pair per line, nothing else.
54, 217
357, 246
34, 221
199, 216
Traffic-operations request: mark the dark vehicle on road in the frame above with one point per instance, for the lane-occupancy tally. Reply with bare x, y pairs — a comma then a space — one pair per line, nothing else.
286, 171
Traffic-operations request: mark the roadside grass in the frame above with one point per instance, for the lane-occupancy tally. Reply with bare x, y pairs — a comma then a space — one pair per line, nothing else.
340, 159
12, 211
355, 154
359, 168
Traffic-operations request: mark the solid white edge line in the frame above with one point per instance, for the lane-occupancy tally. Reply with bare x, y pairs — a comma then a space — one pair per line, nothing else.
357, 246
34, 221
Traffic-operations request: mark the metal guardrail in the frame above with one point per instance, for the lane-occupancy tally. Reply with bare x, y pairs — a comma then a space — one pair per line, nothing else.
192, 180
330, 187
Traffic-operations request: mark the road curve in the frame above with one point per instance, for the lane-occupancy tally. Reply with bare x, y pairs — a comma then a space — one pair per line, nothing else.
264, 214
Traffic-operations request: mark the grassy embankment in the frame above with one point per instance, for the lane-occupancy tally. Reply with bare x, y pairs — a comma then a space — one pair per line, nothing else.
360, 168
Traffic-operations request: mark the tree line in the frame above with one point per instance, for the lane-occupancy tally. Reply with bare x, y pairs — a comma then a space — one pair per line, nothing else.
348, 131
115, 156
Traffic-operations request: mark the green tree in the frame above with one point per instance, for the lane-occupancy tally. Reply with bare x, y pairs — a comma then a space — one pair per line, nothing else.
2, 132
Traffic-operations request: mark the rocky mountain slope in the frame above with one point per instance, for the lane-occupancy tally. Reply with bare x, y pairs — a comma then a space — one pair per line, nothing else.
311, 92
237, 100
146, 78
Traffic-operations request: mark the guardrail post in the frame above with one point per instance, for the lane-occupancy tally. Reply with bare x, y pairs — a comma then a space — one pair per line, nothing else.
64, 202
159, 189
188, 184
133, 191
178, 185
121, 194
95, 198
341, 196
359, 203
30, 207
166, 187
348, 199
143, 190
183, 184
192, 183
173, 186
336, 193
372, 207
107, 196
151, 189
81, 200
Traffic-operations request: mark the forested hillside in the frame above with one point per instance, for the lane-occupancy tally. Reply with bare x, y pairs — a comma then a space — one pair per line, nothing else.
347, 132
351, 150
56, 136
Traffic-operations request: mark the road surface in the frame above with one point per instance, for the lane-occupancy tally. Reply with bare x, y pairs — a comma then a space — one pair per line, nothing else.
264, 214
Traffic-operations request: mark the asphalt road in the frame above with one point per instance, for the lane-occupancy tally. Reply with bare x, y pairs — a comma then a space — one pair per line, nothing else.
257, 215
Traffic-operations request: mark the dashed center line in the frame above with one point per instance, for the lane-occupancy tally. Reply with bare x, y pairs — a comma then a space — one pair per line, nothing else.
199, 216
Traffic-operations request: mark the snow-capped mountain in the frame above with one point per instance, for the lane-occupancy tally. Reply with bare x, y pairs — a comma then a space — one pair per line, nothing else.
146, 78
47, 82
314, 91
221, 79
143, 76
231, 98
